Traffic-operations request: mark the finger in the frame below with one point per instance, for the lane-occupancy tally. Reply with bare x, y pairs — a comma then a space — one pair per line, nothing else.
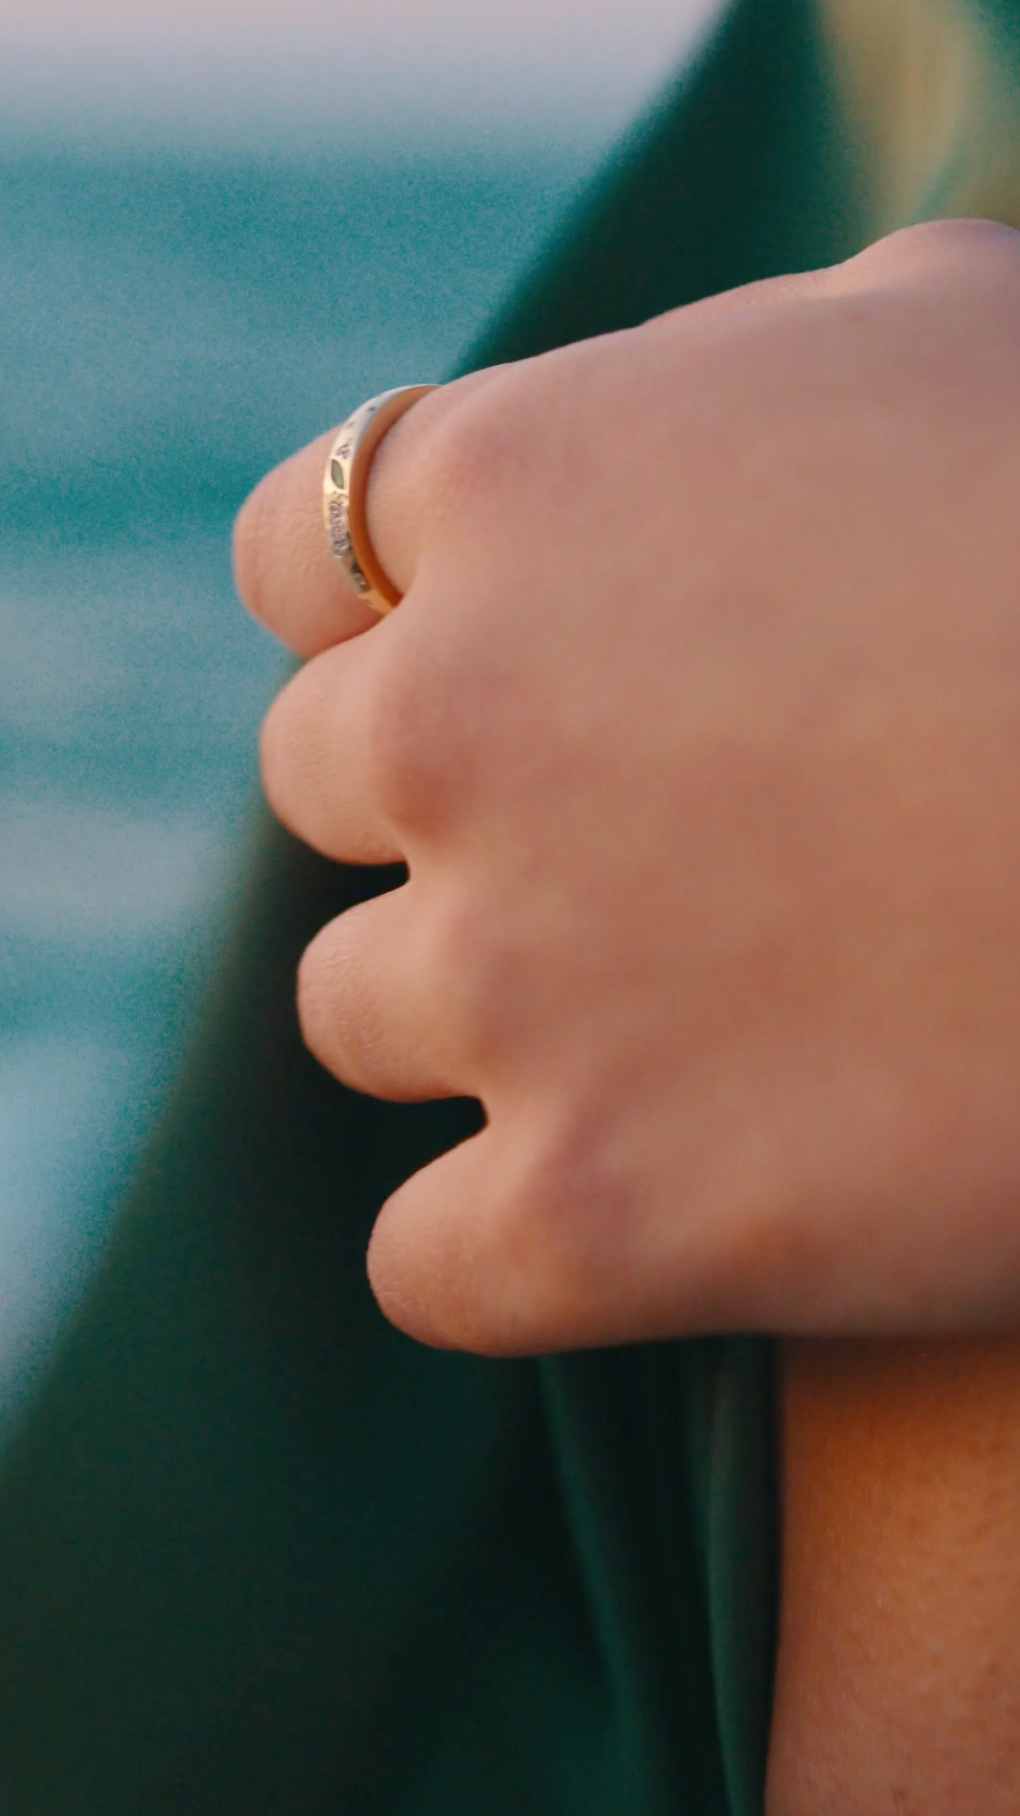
315, 752
369, 1002
518, 1243
284, 569
459, 1258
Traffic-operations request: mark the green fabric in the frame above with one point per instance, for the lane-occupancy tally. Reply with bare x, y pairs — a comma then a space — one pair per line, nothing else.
257, 1551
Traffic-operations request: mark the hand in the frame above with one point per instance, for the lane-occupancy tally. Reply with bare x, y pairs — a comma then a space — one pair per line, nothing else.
699, 731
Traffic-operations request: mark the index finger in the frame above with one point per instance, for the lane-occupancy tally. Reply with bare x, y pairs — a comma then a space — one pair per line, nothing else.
283, 566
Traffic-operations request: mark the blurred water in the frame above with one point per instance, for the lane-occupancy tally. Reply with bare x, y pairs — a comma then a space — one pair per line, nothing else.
171, 326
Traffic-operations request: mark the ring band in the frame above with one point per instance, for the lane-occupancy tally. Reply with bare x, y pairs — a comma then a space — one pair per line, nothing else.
344, 488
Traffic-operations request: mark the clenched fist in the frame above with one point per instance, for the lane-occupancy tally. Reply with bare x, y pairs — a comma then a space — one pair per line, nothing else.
698, 730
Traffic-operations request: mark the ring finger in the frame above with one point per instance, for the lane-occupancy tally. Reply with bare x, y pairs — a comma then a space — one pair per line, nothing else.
284, 568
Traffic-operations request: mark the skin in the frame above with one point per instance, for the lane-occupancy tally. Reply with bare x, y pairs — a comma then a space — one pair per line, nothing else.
699, 732
898, 1680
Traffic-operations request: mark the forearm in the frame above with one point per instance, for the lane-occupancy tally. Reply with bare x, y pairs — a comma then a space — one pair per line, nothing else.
898, 1678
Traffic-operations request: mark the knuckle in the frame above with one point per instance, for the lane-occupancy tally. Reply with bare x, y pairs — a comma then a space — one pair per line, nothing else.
394, 741
475, 448
563, 1173
953, 242
467, 952
563, 1232
470, 954
410, 739
965, 234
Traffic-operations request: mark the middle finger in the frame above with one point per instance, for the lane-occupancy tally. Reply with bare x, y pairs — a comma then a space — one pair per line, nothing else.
316, 754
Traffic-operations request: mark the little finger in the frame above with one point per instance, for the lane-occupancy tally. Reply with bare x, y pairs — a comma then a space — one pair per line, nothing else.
370, 1005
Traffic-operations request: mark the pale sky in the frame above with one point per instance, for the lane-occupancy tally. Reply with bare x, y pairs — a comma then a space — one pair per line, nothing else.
229, 65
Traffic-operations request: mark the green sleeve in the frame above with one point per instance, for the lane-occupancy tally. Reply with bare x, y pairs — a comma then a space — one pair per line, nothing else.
259, 1553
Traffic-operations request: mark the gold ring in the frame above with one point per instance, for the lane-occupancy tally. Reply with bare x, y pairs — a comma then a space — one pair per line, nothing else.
344, 488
